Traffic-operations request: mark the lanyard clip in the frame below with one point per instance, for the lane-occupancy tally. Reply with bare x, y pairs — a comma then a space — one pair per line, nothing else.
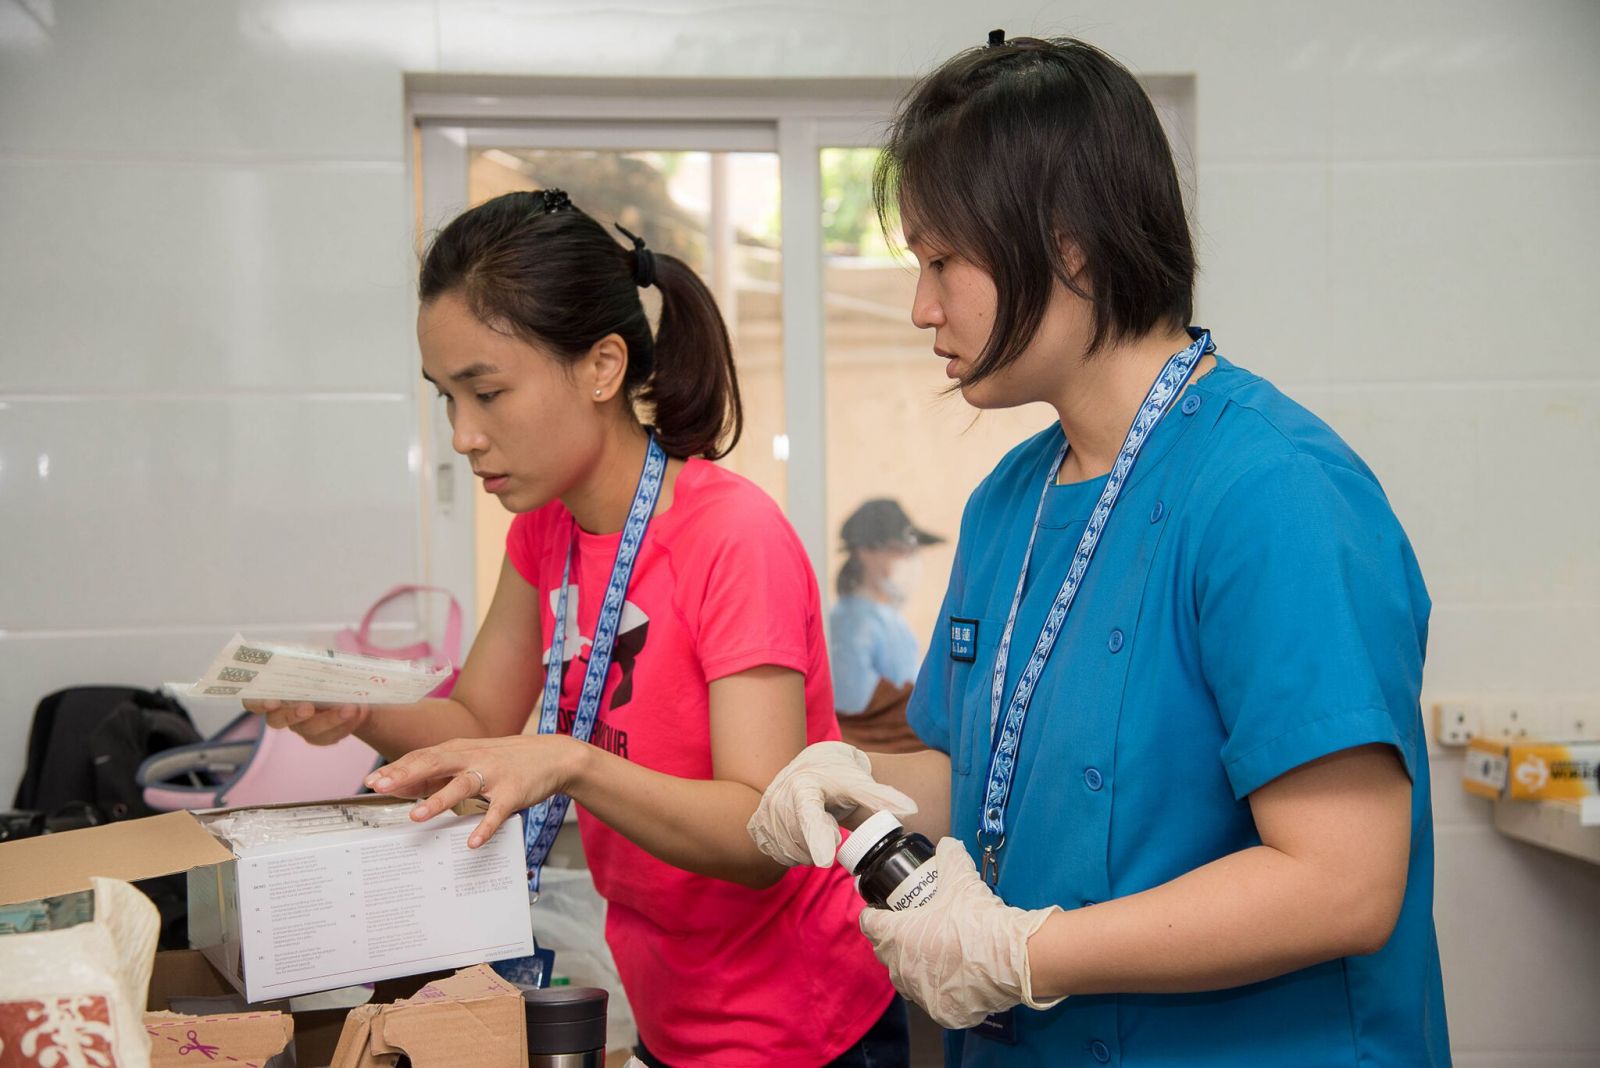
991, 865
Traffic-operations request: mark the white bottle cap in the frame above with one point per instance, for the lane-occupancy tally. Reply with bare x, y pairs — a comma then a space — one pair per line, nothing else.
874, 829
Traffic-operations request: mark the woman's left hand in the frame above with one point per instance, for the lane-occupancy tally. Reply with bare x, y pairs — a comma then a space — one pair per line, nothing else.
964, 953
510, 773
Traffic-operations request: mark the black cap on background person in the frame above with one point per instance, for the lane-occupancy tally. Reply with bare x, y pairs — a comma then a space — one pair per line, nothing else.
882, 522
881, 542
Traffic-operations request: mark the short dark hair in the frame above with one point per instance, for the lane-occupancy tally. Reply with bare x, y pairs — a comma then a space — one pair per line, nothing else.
1008, 151
558, 279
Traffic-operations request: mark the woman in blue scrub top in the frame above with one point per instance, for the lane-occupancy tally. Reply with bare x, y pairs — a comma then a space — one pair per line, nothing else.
1177, 758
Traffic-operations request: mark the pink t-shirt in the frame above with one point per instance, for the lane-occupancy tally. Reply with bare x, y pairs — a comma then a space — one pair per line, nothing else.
716, 973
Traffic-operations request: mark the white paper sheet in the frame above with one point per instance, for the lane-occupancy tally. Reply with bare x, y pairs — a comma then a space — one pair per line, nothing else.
247, 670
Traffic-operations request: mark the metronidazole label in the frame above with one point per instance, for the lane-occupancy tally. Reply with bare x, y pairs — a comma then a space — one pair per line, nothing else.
916, 889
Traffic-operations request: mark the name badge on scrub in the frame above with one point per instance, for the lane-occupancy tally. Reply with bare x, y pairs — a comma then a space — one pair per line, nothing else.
963, 639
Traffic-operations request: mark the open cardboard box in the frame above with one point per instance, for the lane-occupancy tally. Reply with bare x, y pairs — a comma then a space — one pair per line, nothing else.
179, 1039
473, 1017
181, 976
307, 916
440, 1021
243, 1039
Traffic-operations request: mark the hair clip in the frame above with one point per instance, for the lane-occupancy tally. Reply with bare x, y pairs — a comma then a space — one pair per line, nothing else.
997, 38
644, 261
555, 200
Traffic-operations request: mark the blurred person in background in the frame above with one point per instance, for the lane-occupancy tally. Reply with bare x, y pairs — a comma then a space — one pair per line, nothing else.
873, 650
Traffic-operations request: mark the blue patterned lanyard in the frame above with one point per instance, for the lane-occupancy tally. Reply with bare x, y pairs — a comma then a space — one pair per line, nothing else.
542, 822
1003, 743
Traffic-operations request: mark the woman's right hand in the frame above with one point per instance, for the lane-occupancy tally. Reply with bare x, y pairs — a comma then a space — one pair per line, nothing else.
318, 724
797, 821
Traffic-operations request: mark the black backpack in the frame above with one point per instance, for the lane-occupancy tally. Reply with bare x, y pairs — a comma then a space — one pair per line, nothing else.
86, 745
84, 752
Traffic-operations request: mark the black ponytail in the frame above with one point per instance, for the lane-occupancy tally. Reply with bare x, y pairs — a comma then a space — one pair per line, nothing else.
694, 393
533, 265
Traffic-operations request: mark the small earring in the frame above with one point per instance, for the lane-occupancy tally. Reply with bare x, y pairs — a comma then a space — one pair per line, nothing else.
597, 393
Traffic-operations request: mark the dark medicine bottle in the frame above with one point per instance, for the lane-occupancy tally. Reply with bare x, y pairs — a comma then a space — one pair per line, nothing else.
894, 869
566, 1027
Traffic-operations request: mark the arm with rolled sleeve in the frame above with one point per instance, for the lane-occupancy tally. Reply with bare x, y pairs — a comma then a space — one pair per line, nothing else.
1312, 619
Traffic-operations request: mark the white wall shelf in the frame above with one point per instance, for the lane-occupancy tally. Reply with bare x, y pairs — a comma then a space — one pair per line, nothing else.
1556, 825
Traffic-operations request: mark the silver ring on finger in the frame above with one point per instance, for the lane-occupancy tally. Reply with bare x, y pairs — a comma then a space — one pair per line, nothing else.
479, 774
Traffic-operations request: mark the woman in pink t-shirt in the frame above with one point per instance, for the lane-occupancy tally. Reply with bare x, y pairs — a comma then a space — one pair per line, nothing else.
532, 331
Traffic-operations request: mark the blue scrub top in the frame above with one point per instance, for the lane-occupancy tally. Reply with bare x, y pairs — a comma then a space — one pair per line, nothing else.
868, 641
1253, 605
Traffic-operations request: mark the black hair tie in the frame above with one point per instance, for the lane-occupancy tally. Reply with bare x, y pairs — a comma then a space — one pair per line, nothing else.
997, 38
555, 200
644, 261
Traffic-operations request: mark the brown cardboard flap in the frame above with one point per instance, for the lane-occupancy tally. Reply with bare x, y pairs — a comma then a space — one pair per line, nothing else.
486, 1033
478, 981
132, 850
354, 1041
473, 1017
187, 973
245, 1040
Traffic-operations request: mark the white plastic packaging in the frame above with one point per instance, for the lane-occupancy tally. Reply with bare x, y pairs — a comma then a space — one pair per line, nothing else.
78, 993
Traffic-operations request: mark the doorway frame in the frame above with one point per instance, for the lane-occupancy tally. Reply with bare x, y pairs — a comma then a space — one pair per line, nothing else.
447, 116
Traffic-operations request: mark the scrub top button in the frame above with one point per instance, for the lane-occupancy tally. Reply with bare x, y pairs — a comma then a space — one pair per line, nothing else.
1100, 1051
1114, 643
1157, 512
1191, 404
1092, 778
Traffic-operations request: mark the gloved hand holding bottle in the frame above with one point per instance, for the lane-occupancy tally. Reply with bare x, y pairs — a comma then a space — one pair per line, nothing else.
963, 954
798, 819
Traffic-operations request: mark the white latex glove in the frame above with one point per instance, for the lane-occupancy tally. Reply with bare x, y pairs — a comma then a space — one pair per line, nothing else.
797, 821
963, 954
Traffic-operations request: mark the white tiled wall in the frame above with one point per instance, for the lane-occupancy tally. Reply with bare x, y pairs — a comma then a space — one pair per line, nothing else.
207, 401
205, 327
173, 275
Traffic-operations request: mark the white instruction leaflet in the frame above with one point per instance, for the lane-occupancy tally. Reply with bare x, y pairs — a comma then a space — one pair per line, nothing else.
249, 670
327, 911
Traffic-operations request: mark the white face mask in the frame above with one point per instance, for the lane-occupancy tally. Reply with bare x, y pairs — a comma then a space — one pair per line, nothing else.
902, 578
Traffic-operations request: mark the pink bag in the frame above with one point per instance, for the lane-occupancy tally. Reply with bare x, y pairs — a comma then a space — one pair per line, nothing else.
359, 640
247, 764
